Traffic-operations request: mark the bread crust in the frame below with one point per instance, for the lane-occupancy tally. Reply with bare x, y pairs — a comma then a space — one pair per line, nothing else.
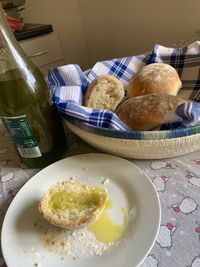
71, 219
160, 78
105, 92
147, 112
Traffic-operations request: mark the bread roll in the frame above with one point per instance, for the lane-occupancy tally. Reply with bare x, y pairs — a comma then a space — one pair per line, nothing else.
105, 92
159, 78
71, 205
147, 112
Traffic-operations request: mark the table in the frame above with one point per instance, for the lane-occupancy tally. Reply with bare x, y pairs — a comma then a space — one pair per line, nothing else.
177, 181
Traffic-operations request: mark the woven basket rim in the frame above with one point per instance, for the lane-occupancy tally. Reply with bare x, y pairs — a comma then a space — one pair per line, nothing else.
135, 135
139, 149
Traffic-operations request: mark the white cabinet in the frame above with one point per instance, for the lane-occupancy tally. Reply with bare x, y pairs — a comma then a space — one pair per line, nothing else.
44, 50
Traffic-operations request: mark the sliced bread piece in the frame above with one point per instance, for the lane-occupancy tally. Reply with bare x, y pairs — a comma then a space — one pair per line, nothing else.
70, 204
105, 92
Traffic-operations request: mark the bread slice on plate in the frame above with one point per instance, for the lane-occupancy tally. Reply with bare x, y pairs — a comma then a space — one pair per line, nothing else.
71, 205
105, 92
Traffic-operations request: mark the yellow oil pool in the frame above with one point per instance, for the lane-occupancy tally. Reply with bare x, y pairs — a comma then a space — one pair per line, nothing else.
105, 229
93, 198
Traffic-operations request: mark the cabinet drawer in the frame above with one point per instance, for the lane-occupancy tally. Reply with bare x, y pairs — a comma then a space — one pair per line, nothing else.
43, 49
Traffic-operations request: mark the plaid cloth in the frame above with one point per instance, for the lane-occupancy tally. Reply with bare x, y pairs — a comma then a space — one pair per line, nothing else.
69, 83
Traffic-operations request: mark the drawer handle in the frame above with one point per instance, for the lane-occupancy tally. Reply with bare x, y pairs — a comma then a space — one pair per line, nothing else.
39, 53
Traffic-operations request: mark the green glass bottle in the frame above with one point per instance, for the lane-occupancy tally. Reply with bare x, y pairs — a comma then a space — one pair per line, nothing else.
26, 107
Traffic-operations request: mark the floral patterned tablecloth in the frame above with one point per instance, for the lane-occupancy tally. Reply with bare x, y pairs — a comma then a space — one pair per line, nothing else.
176, 180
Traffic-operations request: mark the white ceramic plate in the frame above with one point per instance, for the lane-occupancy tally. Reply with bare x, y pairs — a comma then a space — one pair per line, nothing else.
128, 188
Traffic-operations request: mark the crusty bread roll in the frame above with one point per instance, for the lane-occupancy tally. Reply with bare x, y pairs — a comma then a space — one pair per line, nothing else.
143, 113
105, 92
159, 78
71, 205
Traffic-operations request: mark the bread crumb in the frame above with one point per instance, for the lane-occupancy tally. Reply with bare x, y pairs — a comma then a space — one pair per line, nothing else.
77, 243
106, 181
33, 249
37, 254
73, 178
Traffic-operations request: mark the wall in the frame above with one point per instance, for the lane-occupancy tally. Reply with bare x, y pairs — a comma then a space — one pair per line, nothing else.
92, 30
64, 15
127, 27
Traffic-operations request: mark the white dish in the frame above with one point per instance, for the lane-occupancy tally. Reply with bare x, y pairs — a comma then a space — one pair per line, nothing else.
128, 188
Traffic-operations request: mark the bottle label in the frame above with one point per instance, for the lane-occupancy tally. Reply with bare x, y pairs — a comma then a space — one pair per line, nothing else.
23, 136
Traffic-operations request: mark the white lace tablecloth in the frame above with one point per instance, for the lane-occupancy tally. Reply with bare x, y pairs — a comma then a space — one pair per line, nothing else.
177, 182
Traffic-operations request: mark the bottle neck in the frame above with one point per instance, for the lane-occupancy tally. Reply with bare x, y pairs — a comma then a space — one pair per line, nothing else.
7, 39
11, 54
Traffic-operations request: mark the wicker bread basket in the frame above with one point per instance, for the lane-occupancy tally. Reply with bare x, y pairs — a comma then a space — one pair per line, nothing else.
140, 145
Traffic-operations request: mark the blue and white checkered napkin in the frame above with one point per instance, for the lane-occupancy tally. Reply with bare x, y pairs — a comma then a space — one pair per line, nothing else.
69, 83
